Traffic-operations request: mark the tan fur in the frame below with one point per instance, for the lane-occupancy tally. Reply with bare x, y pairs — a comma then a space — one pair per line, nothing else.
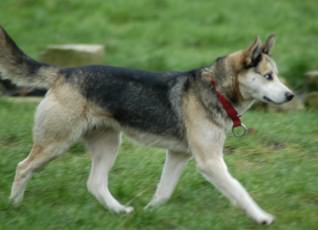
264, 66
236, 61
196, 118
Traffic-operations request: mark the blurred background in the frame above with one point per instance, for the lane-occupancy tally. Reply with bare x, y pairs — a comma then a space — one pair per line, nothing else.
277, 162
163, 34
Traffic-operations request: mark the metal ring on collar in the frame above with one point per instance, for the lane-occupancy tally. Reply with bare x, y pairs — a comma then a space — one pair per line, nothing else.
239, 131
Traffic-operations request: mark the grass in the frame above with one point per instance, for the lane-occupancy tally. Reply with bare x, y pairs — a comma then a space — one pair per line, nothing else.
169, 34
277, 164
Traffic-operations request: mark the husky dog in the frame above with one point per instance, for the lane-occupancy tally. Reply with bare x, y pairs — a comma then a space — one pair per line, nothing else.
178, 111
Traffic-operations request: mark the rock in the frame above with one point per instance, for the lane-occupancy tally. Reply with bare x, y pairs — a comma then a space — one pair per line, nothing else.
311, 100
24, 99
73, 55
311, 80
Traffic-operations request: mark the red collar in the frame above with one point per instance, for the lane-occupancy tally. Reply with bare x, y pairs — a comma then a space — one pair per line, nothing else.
228, 107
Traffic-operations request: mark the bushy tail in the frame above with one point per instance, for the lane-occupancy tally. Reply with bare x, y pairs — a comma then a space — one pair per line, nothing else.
21, 69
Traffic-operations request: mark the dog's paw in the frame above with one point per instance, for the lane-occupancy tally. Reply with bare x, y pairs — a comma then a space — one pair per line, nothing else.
16, 200
265, 219
154, 204
122, 209
149, 206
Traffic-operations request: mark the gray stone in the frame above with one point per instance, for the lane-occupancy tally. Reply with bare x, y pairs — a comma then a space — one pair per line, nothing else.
73, 54
24, 99
311, 100
311, 80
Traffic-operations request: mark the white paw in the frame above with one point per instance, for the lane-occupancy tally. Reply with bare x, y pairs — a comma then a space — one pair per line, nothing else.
128, 209
122, 209
265, 219
16, 200
155, 203
151, 204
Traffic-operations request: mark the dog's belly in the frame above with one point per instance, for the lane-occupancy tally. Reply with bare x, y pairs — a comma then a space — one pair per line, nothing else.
157, 141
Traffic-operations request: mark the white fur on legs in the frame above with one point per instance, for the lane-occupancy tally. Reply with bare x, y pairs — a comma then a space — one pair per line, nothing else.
103, 146
216, 172
206, 142
173, 167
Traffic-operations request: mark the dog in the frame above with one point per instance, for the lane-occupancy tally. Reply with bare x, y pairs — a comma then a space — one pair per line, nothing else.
188, 113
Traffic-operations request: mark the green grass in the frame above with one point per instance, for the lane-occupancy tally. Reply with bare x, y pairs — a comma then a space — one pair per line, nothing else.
169, 34
277, 164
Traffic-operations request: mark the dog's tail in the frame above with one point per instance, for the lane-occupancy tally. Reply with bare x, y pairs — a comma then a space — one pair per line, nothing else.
21, 69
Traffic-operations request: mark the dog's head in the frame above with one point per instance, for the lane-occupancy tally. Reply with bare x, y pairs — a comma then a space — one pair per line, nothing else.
258, 74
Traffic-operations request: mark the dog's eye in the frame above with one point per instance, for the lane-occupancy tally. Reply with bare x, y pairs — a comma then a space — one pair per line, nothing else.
268, 76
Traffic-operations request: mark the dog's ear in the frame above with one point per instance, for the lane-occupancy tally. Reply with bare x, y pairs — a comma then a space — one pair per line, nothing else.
270, 42
253, 54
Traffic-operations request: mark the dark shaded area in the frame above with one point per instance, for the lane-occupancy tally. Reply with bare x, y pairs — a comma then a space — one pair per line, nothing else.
11, 89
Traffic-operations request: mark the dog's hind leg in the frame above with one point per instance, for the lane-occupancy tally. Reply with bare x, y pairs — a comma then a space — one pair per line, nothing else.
38, 158
56, 127
103, 146
173, 167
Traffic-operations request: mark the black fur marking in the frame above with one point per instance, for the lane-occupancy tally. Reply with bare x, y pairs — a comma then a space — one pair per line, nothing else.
218, 59
135, 98
255, 60
191, 76
254, 63
186, 85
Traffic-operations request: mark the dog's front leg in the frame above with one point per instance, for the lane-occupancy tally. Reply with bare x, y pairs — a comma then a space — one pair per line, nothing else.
207, 147
173, 167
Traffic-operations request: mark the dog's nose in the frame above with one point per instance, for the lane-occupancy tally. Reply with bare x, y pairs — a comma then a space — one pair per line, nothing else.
289, 96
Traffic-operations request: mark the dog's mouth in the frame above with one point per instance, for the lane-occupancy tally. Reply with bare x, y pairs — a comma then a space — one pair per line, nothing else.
267, 99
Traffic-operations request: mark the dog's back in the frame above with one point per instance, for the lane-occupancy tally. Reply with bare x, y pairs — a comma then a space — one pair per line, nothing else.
134, 98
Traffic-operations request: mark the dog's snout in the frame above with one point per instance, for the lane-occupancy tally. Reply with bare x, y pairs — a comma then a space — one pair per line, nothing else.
289, 96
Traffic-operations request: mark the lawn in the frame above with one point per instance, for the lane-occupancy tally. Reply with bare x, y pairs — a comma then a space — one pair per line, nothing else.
169, 34
278, 164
